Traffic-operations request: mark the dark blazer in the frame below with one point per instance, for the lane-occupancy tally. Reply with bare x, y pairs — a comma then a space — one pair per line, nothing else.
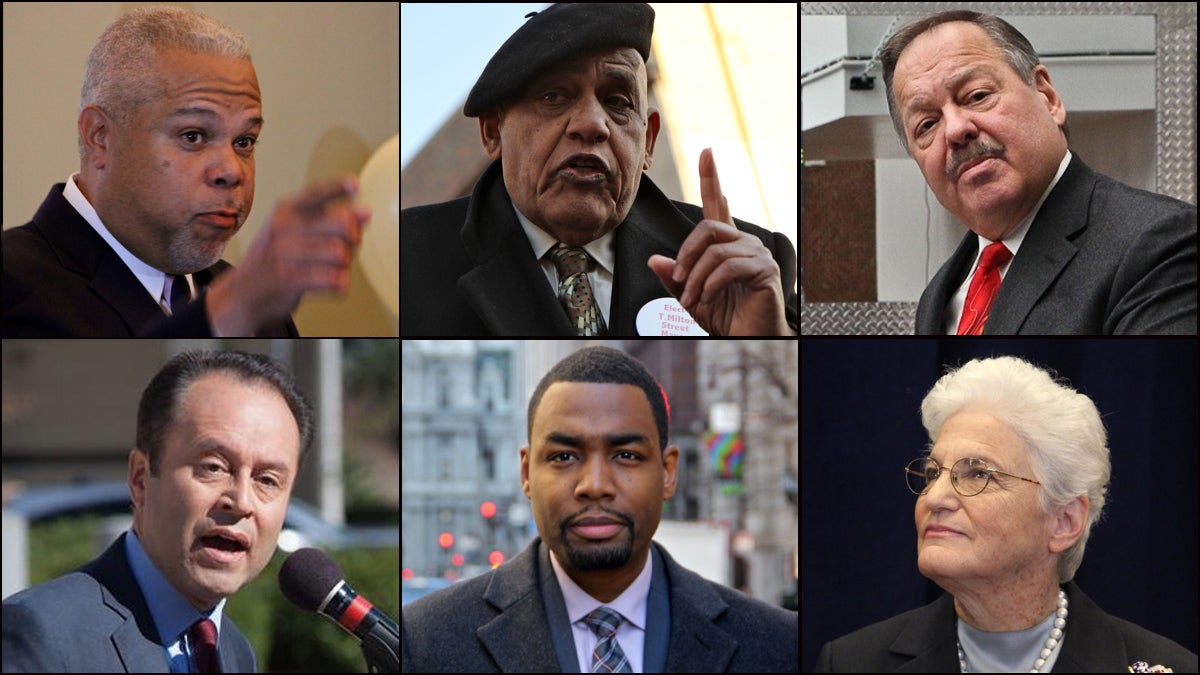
497, 622
61, 279
467, 269
923, 641
95, 620
1100, 258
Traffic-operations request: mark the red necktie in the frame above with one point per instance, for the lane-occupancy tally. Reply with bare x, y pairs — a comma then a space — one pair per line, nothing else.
983, 289
204, 646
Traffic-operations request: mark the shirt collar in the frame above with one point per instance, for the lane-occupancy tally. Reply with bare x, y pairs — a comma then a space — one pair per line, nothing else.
171, 612
601, 249
631, 603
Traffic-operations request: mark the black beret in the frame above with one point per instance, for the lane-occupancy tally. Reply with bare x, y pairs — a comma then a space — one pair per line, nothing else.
554, 35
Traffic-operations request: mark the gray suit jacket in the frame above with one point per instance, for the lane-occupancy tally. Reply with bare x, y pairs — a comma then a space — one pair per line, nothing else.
497, 622
923, 641
95, 620
1101, 258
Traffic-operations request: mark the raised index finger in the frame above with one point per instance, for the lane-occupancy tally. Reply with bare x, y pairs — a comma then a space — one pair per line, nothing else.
317, 195
711, 197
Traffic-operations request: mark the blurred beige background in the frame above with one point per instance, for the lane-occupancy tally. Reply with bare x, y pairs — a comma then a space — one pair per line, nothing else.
330, 79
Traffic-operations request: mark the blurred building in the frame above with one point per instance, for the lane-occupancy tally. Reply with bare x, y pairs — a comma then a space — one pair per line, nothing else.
462, 423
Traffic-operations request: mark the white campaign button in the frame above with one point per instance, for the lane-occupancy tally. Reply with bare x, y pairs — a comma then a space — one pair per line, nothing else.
665, 316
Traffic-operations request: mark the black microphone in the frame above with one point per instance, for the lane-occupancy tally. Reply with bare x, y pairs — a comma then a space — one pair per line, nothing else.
315, 583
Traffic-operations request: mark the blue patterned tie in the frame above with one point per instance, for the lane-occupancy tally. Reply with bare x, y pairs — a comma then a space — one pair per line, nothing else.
607, 657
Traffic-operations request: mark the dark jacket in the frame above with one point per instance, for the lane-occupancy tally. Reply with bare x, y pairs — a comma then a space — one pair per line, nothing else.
497, 622
467, 269
95, 620
61, 279
1100, 258
923, 641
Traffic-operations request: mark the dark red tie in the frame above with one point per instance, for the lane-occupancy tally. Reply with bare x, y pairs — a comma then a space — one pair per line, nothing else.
204, 646
983, 289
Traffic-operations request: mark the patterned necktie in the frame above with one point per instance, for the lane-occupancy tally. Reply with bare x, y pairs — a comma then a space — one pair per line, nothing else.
983, 289
607, 657
203, 635
575, 291
180, 294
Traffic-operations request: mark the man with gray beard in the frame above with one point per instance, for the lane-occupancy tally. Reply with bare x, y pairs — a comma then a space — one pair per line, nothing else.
170, 112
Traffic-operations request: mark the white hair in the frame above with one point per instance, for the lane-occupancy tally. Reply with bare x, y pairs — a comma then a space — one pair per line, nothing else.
1061, 428
119, 78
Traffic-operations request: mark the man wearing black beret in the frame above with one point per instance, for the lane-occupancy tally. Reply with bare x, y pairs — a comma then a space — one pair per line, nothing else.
562, 234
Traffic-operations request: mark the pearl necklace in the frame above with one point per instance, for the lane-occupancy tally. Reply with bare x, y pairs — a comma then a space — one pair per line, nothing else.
1056, 633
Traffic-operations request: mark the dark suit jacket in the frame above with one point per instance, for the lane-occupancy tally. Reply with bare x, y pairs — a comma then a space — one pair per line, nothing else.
923, 641
61, 279
1100, 258
95, 620
467, 269
497, 622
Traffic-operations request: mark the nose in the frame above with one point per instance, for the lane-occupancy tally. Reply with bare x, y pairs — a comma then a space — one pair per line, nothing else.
960, 128
941, 493
588, 122
595, 481
237, 499
227, 170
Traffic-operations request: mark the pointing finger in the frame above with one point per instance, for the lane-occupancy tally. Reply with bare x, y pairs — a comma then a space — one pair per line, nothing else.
712, 199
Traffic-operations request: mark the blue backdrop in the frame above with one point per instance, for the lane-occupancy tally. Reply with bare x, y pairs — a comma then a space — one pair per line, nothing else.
860, 424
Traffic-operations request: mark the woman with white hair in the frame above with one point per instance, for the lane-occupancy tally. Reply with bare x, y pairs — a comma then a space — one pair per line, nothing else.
1015, 478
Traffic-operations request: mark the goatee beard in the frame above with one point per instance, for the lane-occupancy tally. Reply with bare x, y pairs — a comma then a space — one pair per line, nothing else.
600, 556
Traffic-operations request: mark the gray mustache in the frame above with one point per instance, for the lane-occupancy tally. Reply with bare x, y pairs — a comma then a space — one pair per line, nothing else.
961, 157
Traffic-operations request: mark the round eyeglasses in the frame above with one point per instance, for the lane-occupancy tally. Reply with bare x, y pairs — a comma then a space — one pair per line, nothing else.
969, 476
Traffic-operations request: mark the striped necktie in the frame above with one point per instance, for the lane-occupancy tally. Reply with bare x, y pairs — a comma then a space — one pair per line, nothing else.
607, 657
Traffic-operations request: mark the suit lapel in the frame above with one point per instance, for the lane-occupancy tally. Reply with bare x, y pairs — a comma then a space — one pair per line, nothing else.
931, 312
1092, 643
652, 226
518, 638
929, 638
506, 288
1046, 250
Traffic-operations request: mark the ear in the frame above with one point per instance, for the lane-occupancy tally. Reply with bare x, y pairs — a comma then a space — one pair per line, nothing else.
1068, 525
653, 122
95, 128
525, 471
489, 133
1054, 102
139, 473
670, 469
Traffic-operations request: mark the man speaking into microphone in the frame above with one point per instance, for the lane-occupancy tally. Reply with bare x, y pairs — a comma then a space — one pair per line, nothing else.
220, 440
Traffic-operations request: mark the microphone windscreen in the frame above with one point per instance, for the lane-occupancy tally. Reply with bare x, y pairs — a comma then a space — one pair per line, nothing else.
307, 576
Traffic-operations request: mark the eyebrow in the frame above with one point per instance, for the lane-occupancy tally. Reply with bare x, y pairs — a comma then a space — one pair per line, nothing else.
626, 438
209, 446
196, 111
952, 84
